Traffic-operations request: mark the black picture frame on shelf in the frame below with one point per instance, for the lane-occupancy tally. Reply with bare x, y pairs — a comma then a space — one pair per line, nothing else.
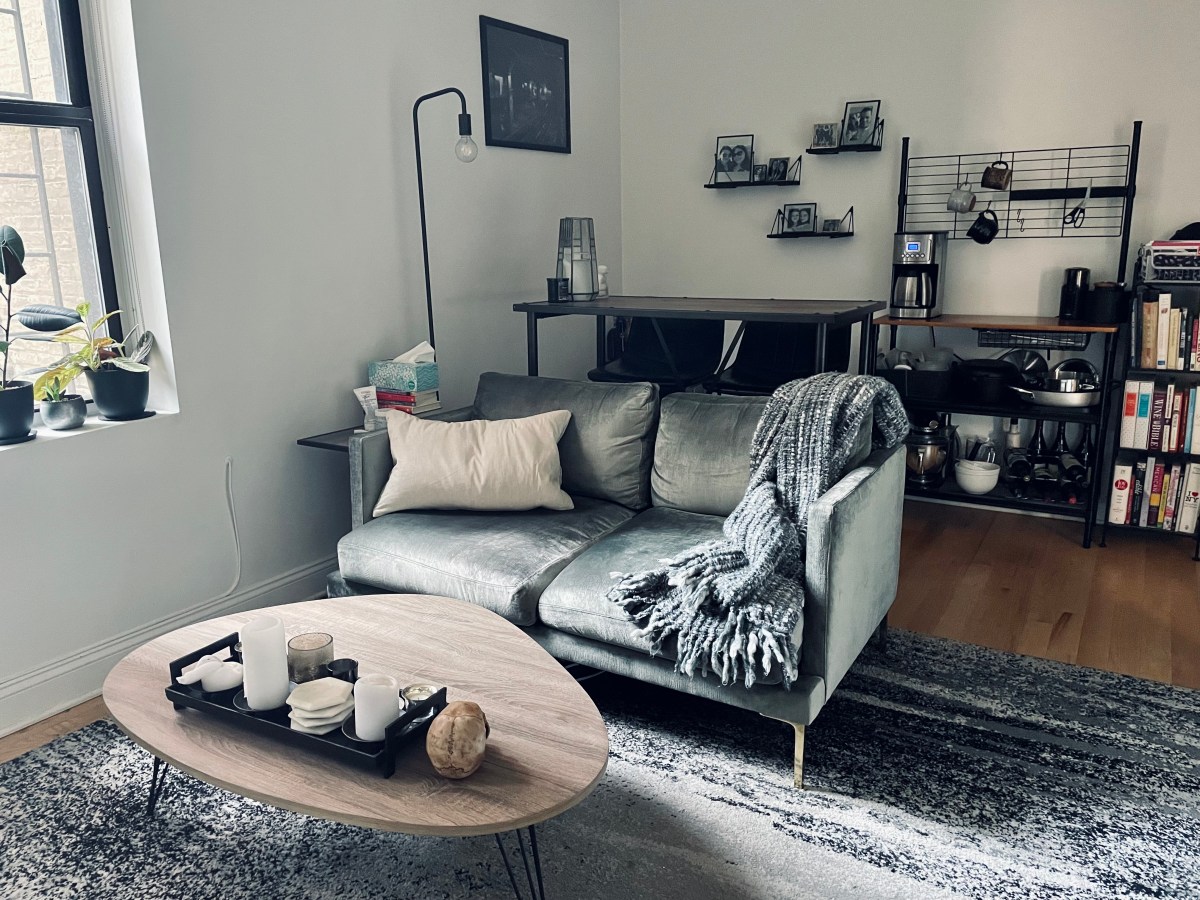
799, 218
526, 87
860, 122
759, 173
733, 159
777, 168
831, 225
826, 135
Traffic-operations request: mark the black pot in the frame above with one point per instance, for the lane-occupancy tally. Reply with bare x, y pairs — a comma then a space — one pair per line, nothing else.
119, 394
1108, 304
64, 414
16, 410
986, 380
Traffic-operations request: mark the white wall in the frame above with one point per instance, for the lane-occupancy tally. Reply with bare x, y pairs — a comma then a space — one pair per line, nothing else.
955, 76
280, 149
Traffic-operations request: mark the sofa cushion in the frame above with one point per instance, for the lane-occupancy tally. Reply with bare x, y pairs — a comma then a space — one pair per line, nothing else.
607, 449
702, 451
499, 560
575, 601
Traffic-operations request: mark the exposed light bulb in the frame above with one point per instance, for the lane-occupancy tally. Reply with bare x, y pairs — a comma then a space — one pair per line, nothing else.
466, 149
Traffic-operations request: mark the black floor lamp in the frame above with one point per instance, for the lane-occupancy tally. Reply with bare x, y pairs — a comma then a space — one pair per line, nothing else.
466, 150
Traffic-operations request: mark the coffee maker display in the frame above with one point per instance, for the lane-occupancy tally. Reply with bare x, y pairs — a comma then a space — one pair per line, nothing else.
918, 274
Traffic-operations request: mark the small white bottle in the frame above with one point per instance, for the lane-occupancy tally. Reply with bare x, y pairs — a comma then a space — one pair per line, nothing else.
603, 279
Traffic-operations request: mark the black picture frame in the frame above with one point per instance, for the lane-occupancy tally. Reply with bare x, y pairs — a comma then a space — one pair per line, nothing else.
831, 225
536, 115
827, 135
727, 166
759, 172
806, 218
856, 133
777, 168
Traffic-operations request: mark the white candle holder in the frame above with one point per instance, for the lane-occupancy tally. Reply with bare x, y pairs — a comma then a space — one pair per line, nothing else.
264, 663
376, 705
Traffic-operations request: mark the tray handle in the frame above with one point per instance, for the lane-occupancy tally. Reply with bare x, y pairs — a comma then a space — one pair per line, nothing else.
226, 643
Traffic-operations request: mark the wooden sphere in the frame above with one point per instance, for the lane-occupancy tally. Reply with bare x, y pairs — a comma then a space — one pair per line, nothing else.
457, 739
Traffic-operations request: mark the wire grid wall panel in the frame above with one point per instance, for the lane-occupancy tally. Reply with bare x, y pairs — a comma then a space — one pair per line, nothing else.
1046, 187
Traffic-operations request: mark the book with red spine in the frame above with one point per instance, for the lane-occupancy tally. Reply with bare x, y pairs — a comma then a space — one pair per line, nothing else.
1129, 413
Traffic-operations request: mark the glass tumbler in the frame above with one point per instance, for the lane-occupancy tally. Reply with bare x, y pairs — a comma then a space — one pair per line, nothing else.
307, 654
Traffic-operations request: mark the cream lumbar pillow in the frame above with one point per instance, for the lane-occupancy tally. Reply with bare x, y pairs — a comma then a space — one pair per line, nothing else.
506, 464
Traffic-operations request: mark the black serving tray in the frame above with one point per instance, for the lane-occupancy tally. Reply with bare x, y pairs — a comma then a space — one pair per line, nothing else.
379, 755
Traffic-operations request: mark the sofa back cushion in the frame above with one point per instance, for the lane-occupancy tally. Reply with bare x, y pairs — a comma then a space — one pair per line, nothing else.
702, 452
608, 447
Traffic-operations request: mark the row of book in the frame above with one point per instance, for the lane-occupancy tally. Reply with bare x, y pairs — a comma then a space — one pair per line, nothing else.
1160, 417
1166, 332
1156, 494
413, 402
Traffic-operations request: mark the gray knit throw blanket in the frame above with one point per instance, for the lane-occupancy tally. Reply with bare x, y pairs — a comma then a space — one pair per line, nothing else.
734, 604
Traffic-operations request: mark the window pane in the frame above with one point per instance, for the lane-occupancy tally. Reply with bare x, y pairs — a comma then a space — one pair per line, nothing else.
49, 208
32, 66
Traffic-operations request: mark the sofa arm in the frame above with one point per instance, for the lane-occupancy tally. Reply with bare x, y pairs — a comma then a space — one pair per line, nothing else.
371, 464
853, 564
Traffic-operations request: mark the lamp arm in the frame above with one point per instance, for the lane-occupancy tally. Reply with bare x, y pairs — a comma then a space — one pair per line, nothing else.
464, 120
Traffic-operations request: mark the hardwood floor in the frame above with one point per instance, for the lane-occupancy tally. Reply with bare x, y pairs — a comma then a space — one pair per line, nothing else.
1025, 584
1010, 582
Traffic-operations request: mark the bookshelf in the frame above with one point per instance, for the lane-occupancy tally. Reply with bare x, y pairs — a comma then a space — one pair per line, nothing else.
1154, 477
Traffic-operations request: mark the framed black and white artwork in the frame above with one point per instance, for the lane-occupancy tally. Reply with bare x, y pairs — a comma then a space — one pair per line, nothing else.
760, 173
799, 218
734, 157
826, 134
829, 225
526, 87
777, 168
858, 126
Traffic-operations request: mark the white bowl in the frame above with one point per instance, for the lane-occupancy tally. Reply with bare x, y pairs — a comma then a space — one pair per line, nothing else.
976, 477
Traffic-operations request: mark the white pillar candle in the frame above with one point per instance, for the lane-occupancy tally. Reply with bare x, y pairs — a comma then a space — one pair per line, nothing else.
264, 662
376, 704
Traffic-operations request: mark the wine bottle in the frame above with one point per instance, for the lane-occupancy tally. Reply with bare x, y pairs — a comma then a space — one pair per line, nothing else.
1017, 465
1060, 440
1085, 449
1070, 469
1037, 445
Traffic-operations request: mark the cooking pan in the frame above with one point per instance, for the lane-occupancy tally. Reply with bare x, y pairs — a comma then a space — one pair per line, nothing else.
1087, 395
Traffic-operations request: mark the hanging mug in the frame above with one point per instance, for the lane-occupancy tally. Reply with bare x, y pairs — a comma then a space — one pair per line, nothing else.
961, 199
997, 176
985, 227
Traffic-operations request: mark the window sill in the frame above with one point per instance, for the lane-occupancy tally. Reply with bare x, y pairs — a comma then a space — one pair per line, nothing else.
92, 424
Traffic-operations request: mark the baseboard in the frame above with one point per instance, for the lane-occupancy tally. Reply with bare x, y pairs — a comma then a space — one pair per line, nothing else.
61, 683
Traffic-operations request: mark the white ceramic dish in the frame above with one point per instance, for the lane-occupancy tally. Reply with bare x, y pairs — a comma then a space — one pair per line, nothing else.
976, 477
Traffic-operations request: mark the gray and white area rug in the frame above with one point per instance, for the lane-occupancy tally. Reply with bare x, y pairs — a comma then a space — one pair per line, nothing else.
937, 770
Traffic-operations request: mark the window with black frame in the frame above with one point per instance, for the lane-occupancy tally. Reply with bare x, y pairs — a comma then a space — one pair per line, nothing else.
50, 173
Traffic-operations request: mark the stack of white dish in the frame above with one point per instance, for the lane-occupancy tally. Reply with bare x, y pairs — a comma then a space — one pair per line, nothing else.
321, 705
976, 477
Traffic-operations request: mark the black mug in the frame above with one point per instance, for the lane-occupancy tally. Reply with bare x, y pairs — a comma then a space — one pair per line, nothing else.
985, 227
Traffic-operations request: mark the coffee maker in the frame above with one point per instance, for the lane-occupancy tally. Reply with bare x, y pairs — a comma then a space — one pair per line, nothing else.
918, 274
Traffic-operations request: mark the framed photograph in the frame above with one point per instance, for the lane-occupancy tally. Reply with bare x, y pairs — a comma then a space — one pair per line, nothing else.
858, 127
826, 134
734, 157
759, 173
799, 217
526, 88
777, 168
831, 225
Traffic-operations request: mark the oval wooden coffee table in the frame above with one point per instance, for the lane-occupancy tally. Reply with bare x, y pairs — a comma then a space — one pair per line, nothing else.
547, 751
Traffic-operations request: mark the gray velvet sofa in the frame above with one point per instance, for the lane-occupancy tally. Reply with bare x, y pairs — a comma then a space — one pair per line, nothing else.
649, 478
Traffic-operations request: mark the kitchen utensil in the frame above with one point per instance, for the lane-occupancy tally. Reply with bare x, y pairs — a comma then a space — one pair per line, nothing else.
977, 478
1066, 384
1078, 366
1086, 395
985, 227
961, 199
1076, 216
984, 380
918, 274
912, 291
997, 176
1031, 364
1072, 297
927, 450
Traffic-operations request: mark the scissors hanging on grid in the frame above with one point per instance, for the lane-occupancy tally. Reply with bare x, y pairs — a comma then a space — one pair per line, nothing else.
1076, 216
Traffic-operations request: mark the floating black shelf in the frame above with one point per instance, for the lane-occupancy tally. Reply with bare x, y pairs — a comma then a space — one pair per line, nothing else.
813, 234
846, 226
722, 185
853, 148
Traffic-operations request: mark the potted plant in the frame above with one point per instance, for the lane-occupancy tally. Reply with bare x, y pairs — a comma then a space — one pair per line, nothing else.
16, 397
60, 411
120, 386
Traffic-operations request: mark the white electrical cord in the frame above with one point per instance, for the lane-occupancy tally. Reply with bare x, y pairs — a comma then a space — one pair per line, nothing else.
237, 541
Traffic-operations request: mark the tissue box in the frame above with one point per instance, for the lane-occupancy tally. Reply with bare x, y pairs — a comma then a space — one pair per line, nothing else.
401, 376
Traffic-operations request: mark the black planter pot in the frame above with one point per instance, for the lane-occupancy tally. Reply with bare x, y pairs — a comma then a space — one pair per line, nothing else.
64, 414
119, 394
16, 410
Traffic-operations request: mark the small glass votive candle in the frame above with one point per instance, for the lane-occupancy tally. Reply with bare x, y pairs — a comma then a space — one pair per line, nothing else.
415, 693
307, 654
376, 705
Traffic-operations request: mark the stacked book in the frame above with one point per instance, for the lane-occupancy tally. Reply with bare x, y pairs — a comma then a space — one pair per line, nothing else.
1161, 417
1166, 333
1154, 493
413, 402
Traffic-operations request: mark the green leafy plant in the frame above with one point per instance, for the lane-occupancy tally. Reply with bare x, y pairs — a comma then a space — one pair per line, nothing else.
96, 351
12, 255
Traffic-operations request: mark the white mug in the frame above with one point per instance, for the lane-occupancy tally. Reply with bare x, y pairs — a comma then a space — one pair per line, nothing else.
961, 199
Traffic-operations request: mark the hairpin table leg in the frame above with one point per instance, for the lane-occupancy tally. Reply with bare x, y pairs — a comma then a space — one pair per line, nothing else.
533, 875
158, 778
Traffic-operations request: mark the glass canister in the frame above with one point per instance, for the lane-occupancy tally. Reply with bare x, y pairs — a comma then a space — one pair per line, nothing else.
927, 453
577, 258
